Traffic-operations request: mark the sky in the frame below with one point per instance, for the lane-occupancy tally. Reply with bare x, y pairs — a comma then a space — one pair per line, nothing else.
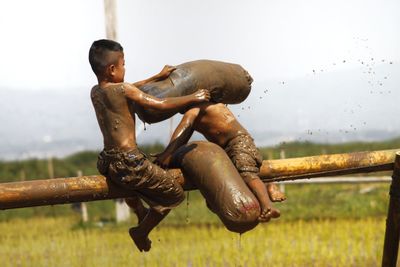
46, 42
291, 48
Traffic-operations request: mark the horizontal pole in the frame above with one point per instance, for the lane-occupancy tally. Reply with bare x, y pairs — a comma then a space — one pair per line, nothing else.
341, 180
97, 187
327, 165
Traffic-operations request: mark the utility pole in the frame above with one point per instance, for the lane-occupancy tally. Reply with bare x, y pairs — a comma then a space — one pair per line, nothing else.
110, 9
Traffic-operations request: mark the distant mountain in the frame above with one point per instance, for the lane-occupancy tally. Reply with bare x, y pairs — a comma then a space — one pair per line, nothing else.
322, 107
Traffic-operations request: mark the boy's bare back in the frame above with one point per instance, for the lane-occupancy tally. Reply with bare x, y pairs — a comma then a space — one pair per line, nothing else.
217, 123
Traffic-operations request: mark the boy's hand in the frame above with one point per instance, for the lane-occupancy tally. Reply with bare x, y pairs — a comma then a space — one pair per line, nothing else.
201, 95
166, 71
162, 159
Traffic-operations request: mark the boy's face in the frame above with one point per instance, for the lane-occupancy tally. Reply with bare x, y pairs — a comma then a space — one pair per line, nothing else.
117, 70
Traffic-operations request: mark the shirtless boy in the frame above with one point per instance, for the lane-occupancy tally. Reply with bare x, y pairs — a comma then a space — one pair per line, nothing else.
121, 161
218, 125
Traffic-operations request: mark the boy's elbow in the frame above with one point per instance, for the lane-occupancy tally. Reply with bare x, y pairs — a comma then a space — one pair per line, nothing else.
159, 106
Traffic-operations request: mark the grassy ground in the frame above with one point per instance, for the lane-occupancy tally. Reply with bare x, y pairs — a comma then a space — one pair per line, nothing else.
58, 242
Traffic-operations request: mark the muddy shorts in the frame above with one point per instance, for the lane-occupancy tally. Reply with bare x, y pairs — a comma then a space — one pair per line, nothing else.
245, 156
132, 170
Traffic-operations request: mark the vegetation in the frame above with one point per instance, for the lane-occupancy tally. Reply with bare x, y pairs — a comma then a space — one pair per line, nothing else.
302, 149
65, 167
56, 242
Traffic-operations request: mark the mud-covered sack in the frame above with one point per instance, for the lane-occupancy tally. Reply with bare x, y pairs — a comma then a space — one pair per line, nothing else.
228, 83
208, 167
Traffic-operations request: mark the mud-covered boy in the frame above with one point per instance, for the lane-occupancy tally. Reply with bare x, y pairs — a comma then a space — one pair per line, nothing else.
121, 161
218, 125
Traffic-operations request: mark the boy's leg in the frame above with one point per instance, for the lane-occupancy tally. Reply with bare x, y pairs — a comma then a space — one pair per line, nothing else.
152, 184
162, 192
247, 160
137, 206
274, 193
140, 234
260, 191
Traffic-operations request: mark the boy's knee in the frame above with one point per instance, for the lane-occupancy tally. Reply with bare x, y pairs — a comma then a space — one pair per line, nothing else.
176, 194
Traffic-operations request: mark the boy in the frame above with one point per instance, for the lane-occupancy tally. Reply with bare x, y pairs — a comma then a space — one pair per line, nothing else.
218, 125
115, 102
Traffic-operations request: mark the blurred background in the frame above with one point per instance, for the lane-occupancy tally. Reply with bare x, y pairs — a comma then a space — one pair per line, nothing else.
324, 71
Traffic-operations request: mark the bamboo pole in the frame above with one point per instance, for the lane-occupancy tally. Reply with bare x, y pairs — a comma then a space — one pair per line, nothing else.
97, 187
392, 233
327, 165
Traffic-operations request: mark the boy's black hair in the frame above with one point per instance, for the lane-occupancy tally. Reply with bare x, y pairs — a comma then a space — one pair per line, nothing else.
98, 57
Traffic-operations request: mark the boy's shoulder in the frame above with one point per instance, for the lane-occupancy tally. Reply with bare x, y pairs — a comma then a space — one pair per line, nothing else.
111, 88
112, 93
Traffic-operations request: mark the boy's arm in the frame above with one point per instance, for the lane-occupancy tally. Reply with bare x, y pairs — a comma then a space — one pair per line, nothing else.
170, 104
164, 73
181, 136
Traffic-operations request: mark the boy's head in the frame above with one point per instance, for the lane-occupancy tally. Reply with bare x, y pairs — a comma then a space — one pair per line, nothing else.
106, 58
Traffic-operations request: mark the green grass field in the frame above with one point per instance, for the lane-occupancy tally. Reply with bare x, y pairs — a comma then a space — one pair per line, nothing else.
58, 242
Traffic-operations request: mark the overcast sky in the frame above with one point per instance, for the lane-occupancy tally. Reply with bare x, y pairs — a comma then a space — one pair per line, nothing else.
45, 43
303, 53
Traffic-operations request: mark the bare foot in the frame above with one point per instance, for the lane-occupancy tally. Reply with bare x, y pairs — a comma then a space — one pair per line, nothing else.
268, 213
142, 241
274, 193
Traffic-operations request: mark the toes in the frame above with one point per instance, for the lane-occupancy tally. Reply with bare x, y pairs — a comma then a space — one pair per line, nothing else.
278, 197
